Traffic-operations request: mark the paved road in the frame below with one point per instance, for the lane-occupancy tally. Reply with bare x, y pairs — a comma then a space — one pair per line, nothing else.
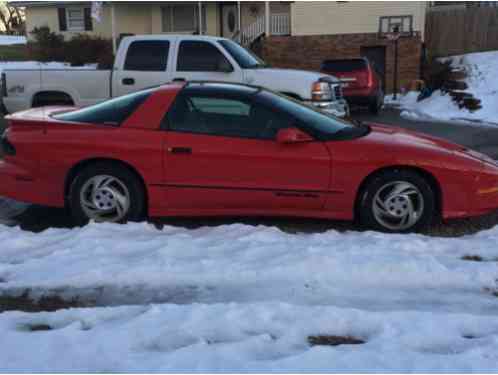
481, 138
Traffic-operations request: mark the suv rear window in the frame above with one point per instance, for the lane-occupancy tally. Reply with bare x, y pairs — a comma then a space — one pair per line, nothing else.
347, 65
110, 112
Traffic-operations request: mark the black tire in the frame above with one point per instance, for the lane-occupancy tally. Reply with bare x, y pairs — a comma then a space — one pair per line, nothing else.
375, 105
136, 210
366, 213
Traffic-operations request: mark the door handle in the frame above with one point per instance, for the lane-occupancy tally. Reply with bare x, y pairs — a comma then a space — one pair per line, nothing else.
179, 150
179, 79
128, 81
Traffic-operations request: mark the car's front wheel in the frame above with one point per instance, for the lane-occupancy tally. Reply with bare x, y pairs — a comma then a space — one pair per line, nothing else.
105, 192
397, 201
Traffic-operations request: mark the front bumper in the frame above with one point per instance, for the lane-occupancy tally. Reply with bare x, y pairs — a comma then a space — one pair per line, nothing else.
338, 108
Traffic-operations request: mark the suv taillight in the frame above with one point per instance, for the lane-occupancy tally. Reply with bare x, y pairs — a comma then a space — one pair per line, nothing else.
370, 77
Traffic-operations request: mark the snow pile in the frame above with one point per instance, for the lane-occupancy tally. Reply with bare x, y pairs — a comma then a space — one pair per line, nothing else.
482, 81
246, 298
269, 337
7, 40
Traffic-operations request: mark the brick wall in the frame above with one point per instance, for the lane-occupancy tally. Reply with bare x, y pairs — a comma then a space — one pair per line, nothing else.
308, 52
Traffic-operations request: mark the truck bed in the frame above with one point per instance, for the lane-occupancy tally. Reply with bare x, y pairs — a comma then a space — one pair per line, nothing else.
86, 86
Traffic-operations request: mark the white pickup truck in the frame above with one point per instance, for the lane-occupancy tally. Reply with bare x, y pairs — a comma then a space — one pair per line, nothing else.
150, 60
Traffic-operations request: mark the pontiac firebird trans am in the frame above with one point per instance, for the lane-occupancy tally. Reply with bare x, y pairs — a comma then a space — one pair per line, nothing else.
212, 149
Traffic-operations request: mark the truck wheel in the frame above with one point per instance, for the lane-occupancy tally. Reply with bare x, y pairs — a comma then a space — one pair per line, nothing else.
397, 201
106, 192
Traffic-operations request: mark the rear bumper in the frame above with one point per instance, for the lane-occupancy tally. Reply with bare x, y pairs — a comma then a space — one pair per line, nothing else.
17, 184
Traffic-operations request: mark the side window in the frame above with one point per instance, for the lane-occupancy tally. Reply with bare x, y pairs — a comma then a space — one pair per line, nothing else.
201, 57
225, 117
147, 55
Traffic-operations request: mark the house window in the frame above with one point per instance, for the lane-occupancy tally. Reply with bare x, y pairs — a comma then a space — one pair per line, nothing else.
182, 18
75, 19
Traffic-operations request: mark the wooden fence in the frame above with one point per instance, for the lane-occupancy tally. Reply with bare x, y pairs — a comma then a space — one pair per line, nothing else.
459, 31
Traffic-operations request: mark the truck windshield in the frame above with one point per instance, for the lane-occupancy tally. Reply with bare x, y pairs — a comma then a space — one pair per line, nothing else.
245, 58
110, 112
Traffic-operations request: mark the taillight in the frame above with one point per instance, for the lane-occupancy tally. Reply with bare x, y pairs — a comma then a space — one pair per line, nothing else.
370, 77
7, 147
320, 91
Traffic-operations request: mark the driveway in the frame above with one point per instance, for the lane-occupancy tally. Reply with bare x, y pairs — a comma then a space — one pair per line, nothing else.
480, 138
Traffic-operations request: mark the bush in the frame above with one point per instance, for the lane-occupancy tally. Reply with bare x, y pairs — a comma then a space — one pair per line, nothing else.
83, 49
47, 45
79, 50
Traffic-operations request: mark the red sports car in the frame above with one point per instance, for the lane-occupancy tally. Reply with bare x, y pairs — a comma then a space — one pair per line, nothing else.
210, 149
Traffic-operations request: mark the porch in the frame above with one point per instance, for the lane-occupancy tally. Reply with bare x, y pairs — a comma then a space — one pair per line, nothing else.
243, 22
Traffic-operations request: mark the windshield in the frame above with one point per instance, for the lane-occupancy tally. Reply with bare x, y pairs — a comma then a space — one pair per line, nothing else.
320, 124
110, 112
244, 58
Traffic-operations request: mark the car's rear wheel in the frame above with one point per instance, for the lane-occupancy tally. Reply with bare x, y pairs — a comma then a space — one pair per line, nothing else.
397, 201
106, 193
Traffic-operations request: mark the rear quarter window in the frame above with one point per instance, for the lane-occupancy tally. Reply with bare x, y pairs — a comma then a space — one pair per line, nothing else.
111, 112
147, 56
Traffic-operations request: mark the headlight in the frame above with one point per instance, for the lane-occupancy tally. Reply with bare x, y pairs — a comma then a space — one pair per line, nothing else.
320, 91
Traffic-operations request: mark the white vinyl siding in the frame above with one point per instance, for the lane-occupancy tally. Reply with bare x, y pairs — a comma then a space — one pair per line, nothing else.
351, 17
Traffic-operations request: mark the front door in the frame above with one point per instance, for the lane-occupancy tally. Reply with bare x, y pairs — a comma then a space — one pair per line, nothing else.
229, 20
199, 60
221, 156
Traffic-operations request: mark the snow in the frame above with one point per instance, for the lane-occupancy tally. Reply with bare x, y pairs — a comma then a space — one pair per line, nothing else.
245, 298
4, 65
263, 337
7, 40
482, 82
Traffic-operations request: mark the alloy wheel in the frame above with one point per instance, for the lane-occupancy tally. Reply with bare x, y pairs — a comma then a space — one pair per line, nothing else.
105, 198
398, 205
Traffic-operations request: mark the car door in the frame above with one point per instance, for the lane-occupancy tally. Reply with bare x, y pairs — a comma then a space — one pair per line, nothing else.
146, 64
221, 156
199, 60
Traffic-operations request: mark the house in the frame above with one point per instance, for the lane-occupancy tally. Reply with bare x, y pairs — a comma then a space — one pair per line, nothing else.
287, 34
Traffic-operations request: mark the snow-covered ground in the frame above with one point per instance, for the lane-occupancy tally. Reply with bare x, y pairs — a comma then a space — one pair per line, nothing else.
482, 81
7, 40
239, 297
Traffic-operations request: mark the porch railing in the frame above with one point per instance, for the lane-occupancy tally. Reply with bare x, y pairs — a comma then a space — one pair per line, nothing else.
279, 25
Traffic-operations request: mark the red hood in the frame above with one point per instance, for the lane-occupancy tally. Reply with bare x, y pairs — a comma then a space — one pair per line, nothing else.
395, 144
408, 137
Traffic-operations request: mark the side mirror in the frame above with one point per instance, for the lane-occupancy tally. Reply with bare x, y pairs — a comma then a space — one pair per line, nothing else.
292, 135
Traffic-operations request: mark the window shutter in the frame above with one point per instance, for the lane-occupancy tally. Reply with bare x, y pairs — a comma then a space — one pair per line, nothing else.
62, 19
88, 19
